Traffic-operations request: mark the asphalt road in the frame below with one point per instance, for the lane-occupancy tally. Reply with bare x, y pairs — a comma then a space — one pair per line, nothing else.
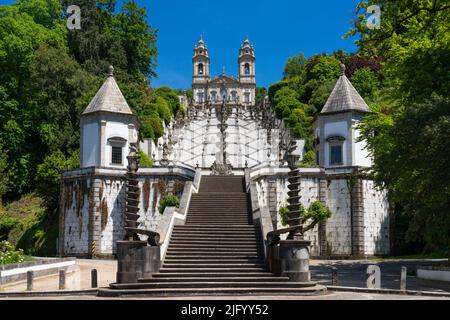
353, 274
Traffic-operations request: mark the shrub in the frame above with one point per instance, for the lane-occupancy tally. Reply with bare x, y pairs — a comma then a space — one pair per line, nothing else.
317, 211
8, 255
146, 161
309, 160
284, 214
168, 201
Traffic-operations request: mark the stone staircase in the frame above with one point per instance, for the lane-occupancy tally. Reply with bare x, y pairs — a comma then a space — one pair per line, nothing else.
218, 251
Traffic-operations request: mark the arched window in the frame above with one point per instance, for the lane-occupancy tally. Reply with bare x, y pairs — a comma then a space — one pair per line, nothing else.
213, 96
224, 94
200, 97
200, 68
247, 97
246, 69
233, 95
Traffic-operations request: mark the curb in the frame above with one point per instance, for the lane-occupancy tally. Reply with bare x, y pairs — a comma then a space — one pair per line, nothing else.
391, 291
92, 292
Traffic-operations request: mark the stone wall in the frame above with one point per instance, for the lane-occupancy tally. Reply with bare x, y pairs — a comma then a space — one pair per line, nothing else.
74, 203
338, 227
376, 222
92, 209
360, 216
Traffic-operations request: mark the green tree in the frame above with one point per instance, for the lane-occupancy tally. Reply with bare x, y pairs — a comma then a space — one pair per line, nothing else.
295, 67
49, 174
365, 82
323, 68
3, 173
261, 93
405, 132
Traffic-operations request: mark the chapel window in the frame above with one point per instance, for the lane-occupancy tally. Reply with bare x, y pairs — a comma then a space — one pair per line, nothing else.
247, 97
335, 155
200, 97
116, 155
336, 144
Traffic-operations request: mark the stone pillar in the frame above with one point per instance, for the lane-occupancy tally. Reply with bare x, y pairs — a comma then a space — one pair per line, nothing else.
357, 218
294, 260
95, 217
135, 259
322, 226
170, 186
272, 199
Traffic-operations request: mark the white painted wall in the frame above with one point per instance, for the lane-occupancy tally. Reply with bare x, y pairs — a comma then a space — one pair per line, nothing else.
115, 129
360, 153
90, 141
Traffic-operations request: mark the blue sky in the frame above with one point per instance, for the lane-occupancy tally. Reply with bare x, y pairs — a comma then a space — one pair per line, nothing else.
277, 28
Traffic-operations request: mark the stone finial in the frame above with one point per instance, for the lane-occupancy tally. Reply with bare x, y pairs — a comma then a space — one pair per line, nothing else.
110, 71
342, 69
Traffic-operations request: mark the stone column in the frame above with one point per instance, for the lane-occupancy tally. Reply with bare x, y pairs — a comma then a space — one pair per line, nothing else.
357, 218
322, 226
95, 217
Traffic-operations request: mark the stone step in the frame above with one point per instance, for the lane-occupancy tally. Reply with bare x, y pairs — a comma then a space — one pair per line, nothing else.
230, 193
230, 234
207, 210
214, 235
218, 214
209, 251
212, 226
214, 284
250, 290
202, 270
212, 275
214, 265
190, 221
213, 255
216, 221
227, 242
214, 279
219, 246
209, 260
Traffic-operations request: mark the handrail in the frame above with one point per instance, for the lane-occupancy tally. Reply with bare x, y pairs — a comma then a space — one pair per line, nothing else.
273, 237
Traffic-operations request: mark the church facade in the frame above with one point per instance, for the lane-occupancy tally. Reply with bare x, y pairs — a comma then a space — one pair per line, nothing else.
240, 90
225, 132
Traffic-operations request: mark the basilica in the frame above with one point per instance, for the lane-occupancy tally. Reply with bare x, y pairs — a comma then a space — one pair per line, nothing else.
240, 90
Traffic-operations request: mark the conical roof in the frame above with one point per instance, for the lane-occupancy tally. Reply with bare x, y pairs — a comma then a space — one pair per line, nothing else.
109, 98
344, 97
